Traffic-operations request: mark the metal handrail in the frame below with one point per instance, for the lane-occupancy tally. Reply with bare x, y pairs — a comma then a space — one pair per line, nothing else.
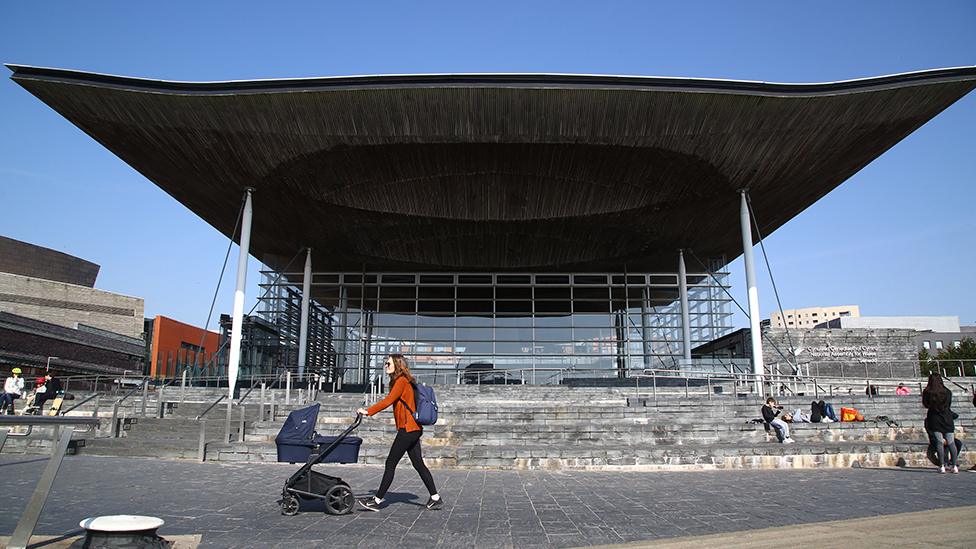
944, 364
47, 421
255, 383
133, 390
216, 402
86, 399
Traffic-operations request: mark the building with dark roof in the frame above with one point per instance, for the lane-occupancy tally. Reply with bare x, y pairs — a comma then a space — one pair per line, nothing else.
27, 342
528, 220
25, 259
50, 308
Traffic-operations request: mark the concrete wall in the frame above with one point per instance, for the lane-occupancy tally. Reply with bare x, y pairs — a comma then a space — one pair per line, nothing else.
848, 352
920, 323
68, 304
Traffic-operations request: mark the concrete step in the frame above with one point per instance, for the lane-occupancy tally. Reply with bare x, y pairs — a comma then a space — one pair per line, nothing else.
711, 456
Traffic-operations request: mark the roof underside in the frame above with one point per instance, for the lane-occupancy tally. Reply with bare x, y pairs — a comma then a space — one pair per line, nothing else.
496, 172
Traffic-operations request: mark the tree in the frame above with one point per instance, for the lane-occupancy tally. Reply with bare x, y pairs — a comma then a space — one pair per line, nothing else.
953, 359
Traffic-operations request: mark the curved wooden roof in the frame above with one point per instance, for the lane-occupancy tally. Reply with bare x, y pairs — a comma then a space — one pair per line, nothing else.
496, 171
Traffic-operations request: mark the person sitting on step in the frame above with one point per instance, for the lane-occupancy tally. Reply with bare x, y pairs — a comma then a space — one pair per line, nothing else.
12, 389
769, 412
52, 387
822, 412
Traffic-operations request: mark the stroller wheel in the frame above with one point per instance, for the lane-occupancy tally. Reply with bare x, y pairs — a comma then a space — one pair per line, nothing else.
339, 500
289, 505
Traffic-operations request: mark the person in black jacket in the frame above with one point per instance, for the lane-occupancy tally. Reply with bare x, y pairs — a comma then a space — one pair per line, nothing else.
53, 386
940, 421
769, 412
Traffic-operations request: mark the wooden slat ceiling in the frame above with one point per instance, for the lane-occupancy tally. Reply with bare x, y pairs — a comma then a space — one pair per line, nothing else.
544, 173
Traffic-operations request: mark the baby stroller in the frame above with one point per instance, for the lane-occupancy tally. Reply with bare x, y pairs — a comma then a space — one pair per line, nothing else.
295, 442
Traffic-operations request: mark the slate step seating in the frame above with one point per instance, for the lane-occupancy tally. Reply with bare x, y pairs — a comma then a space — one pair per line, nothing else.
560, 427
555, 427
175, 437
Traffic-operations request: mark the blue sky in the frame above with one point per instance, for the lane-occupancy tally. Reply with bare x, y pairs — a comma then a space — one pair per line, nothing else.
896, 239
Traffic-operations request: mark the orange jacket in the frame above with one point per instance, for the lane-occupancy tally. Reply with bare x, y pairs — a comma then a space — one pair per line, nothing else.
404, 418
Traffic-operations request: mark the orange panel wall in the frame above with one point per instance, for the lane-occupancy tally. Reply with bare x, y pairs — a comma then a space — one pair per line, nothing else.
167, 349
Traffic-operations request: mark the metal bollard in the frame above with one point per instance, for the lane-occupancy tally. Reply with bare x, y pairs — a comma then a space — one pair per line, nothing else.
240, 426
145, 396
202, 450
160, 403
230, 406
271, 411
261, 405
287, 387
183, 387
114, 427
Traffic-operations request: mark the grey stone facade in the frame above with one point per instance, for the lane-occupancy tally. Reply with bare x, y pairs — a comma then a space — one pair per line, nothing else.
69, 304
844, 352
878, 353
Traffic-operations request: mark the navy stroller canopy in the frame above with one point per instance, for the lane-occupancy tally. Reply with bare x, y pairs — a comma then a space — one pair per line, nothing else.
299, 428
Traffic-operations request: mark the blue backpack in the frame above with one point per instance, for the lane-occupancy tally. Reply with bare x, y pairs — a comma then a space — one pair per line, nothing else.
425, 410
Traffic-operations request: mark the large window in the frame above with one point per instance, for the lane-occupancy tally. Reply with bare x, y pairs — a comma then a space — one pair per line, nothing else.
529, 324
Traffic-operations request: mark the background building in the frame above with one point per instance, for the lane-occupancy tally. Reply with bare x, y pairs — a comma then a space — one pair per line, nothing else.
54, 287
173, 345
542, 222
49, 308
810, 317
860, 352
932, 333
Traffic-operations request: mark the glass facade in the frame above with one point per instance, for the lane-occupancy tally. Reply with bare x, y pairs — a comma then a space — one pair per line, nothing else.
532, 325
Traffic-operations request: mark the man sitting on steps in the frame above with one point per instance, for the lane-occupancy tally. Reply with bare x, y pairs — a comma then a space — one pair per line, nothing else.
769, 412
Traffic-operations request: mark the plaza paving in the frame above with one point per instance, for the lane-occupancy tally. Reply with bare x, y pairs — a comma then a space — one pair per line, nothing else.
231, 505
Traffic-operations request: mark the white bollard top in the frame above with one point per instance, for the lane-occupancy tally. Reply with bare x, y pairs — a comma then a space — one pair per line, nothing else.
121, 523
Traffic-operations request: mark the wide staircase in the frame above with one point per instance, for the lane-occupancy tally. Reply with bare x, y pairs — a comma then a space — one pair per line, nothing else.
605, 428
550, 427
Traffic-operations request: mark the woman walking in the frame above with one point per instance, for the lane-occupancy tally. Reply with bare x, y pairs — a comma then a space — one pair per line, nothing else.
939, 422
408, 435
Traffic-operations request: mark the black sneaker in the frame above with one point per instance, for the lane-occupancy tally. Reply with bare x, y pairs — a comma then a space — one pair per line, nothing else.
433, 505
369, 504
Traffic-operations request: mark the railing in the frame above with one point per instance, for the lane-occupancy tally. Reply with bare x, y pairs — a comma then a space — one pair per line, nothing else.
114, 426
744, 384
877, 368
211, 407
81, 402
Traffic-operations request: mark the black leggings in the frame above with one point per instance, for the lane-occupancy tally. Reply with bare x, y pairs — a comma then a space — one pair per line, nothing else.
408, 443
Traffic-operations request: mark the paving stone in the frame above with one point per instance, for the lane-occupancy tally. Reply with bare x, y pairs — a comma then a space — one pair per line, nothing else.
233, 505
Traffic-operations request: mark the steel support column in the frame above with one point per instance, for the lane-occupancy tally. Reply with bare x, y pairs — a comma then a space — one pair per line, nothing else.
646, 325
303, 325
747, 256
685, 317
343, 336
237, 320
